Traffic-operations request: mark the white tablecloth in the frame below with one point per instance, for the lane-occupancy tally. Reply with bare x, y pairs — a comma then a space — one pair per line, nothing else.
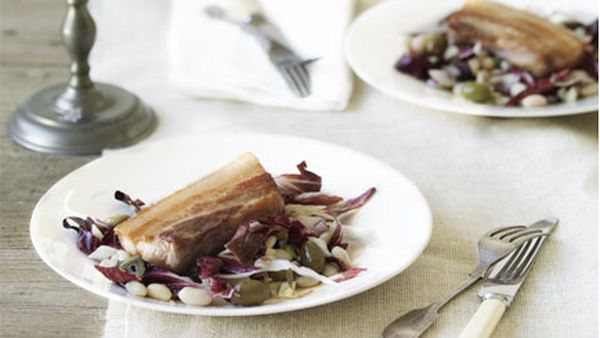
475, 172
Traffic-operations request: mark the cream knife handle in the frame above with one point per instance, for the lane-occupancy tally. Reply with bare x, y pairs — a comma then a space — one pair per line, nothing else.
484, 321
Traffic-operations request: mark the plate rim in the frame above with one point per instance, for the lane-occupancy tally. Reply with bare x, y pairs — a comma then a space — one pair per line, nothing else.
469, 108
230, 312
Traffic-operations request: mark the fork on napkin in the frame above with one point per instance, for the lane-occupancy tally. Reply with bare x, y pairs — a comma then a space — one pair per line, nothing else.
213, 59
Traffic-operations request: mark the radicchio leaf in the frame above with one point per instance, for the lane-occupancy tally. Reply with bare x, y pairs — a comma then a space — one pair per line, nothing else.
86, 241
247, 242
348, 205
116, 275
297, 232
589, 63
173, 281
315, 198
336, 237
349, 274
541, 86
293, 184
123, 197
592, 30
466, 52
219, 288
417, 66
464, 71
209, 266
231, 264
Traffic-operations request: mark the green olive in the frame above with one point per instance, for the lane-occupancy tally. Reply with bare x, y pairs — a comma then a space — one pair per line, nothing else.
250, 292
475, 92
435, 44
282, 276
312, 257
134, 265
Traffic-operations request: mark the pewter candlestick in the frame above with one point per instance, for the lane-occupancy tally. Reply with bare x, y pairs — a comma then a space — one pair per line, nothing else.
80, 117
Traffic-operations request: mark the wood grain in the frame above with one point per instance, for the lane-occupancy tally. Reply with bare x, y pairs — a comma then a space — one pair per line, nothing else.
35, 301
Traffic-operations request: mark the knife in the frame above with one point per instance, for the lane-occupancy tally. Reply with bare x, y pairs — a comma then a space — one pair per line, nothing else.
503, 282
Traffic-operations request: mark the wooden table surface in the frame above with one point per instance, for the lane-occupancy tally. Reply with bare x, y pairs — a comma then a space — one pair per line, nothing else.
35, 301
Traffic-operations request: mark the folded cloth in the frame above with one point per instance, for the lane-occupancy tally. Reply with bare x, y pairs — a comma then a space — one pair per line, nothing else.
214, 59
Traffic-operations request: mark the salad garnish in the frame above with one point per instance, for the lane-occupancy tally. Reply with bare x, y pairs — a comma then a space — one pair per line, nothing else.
266, 260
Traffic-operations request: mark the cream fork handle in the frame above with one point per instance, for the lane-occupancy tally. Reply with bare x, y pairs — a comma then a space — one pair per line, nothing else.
484, 321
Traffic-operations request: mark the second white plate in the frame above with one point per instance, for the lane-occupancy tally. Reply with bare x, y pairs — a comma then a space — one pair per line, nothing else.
374, 42
391, 230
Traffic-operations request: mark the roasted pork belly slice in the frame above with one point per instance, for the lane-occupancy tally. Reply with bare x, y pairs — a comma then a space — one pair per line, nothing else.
524, 39
199, 219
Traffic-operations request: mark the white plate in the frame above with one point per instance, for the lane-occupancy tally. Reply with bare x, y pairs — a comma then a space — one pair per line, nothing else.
374, 42
392, 229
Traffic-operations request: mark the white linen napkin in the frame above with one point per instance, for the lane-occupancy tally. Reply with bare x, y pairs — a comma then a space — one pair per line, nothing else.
211, 58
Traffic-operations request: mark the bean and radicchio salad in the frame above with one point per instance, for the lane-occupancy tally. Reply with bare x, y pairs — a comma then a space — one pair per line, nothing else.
237, 236
494, 54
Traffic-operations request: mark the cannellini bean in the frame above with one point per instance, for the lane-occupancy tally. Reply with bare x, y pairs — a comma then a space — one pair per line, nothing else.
483, 76
451, 52
590, 89
136, 288
321, 244
330, 269
516, 88
442, 78
109, 262
474, 65
500, 99
306, 282
342, 255
418, 44
159, 291
103, 252
122, 255
195, 296
488, 63
452, 70
570, 95
326, 236
534, 100
478, 48
270, 242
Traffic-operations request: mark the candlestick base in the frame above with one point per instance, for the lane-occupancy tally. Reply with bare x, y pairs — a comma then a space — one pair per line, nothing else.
42, 125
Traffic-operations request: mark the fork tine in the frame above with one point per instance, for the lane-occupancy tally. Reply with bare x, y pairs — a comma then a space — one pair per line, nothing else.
295, 81
521, 234
528, 262
496, 231
304, 72
524, 239
300, 79
514, 260
505, 234
309, 61
290, 81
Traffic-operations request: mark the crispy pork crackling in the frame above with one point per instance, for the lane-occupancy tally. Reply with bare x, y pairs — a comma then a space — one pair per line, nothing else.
524, 39
200, 218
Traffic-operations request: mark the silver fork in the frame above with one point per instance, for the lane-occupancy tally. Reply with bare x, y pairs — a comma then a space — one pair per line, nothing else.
291, 66
492, 247
517, 264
